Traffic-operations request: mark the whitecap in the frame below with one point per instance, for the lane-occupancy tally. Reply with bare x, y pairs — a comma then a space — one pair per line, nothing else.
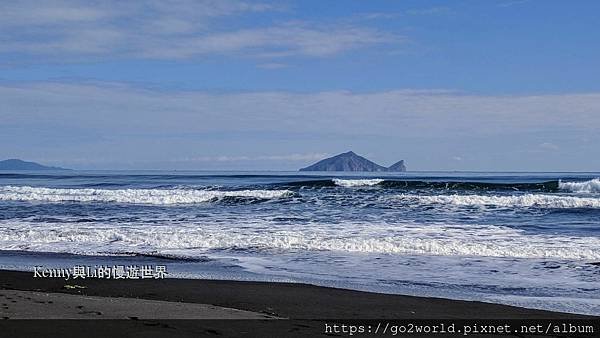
526, 200
198, 239
132, 196
591, 186
357, 183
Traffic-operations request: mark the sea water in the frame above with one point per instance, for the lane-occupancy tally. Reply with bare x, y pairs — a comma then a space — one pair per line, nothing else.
526, 239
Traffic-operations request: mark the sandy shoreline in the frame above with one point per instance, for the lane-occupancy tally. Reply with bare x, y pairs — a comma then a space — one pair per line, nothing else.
287, 300
22, 296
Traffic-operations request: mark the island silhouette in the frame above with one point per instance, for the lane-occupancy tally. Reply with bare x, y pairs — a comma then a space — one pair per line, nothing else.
350, 161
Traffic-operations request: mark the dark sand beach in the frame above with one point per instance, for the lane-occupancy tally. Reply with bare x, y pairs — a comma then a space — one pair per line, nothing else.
186, 307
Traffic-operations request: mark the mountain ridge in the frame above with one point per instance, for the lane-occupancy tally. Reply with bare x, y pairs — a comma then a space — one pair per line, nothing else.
350, 161
17, 164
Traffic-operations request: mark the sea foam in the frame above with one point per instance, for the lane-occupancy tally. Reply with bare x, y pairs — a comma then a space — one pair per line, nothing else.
132, 196
357, 183
199, 239
526, 200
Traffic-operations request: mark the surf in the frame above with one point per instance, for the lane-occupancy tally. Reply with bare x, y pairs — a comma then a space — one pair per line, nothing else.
546, 186
525, 200
134, 196
591, 186
198, 240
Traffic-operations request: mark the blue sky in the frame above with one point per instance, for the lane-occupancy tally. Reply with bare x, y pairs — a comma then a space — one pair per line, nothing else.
445, 85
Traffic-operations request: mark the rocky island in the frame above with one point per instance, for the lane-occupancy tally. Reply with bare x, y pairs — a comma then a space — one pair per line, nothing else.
350, 161
16, 164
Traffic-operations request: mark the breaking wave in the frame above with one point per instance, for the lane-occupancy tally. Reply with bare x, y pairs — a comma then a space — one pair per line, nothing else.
196, 240
548, 186
133, 196
357, 183
591, 186
527, 200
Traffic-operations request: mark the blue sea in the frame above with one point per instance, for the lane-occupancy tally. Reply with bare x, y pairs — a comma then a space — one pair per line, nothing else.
525, 239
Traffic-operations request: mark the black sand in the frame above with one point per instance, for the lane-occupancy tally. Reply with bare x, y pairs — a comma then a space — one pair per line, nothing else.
305, 307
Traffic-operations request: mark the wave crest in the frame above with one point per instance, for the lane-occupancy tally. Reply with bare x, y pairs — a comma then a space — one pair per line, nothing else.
133, 196
357, 183
591, 186
527, 200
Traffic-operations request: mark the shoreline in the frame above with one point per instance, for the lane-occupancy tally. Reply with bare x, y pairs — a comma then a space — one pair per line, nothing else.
279, 299
175, 307
206, 268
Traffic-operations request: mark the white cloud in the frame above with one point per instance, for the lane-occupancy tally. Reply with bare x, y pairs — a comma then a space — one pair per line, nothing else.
512, 3
379, 15
233, 158
429, 11
272, 65
295, 157
167, 30
120, 108
438, 10
549, 146
280, 41
36, 13
64, 12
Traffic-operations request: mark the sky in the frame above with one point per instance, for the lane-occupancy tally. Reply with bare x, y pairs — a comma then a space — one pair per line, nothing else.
498, 85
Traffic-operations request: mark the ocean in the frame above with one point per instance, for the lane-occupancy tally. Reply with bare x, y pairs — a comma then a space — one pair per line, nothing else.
525, 239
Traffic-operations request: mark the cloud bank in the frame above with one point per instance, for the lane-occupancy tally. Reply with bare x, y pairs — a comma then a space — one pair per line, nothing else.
412, 112
191, 124
172, 29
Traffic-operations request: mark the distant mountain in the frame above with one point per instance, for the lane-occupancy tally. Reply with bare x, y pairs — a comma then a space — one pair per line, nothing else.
398, 166
15, 164
351, 162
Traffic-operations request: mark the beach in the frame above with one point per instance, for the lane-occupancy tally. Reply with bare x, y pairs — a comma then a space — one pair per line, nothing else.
258, 168
522, 239
285, 254
185, 306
